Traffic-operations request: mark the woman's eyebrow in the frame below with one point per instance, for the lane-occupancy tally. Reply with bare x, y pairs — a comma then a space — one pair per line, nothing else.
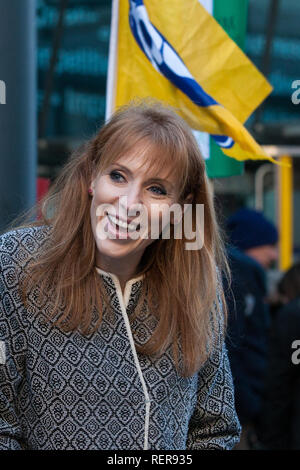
152, 180
160, 180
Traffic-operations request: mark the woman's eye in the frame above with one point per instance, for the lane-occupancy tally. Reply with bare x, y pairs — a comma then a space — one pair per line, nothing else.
116, 176
158, 190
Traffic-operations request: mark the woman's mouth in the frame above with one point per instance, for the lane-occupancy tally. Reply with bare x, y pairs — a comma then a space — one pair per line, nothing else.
131, 227
121, 229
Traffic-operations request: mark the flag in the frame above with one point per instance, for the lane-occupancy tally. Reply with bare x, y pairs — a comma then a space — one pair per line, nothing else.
175, 51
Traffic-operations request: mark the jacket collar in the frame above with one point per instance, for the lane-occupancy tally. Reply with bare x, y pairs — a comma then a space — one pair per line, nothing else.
113, 276
128, 290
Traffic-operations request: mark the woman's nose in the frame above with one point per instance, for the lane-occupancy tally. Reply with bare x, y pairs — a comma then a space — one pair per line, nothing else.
131, 201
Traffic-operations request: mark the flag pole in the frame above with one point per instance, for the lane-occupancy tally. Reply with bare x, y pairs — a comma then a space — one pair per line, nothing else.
112, 60
285, 213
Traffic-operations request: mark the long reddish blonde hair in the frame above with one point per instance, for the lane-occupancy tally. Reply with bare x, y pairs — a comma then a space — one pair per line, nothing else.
179, 287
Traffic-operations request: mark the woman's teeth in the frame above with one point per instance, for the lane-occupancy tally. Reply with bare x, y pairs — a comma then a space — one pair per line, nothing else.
122, 224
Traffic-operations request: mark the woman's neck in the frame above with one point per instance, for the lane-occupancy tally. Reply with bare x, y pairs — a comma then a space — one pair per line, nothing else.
124, 269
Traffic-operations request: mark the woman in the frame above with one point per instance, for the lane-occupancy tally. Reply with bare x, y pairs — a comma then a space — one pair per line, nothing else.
111, 341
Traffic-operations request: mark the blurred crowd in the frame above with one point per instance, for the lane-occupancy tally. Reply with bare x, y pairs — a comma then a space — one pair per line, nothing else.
263, 337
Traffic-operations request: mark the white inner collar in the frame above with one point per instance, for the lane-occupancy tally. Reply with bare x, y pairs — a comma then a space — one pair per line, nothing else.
127, 290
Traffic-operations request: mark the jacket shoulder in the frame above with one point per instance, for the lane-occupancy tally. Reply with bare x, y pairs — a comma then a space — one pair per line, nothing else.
19, 245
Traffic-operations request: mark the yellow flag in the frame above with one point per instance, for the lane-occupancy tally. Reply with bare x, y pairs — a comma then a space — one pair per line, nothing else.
175, 51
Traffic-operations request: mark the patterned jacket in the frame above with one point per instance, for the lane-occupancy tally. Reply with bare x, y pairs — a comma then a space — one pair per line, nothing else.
67, 391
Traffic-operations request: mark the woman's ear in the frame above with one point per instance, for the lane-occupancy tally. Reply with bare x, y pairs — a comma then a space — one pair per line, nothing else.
91, 188
93, 183
177, 218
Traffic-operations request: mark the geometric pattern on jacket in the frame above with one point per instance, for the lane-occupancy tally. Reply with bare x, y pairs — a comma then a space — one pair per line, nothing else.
66, 391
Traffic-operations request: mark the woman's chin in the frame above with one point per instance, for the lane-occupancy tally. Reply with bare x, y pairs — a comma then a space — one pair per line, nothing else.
116, 248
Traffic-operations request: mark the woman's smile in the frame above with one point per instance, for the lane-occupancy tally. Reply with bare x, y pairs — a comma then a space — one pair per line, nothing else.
119, 228
129, 199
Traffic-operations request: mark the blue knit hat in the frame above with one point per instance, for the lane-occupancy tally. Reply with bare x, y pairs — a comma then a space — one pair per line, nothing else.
248, 228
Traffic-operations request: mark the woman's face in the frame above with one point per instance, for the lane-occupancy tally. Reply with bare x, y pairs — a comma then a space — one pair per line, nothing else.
130, 193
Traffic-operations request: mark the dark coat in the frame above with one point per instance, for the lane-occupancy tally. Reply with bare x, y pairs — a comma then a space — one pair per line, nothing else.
280, 423
248, 325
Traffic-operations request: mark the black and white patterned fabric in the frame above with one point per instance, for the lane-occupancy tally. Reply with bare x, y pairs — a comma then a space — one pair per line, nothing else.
66, 391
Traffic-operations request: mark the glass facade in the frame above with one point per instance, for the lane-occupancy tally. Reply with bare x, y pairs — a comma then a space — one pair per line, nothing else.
77, 102
284, 66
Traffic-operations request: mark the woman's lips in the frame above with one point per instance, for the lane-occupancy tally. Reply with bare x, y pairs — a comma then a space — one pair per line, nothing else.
121, 220
117, 230
122, 225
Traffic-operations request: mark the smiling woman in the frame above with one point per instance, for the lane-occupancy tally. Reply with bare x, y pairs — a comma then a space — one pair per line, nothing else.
114, 341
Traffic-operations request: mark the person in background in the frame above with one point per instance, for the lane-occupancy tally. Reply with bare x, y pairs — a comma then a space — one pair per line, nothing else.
252, 251
280, 420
